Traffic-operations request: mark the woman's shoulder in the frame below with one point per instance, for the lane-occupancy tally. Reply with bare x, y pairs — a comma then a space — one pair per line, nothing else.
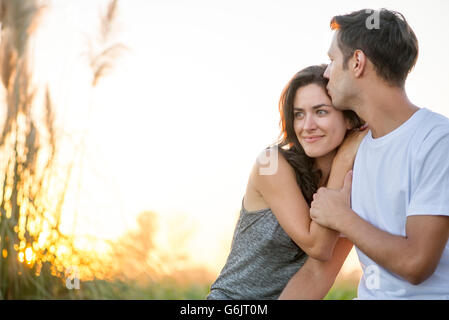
270, 162
271, 174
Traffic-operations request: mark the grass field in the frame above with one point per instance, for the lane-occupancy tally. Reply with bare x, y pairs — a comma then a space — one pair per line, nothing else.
342, 292
168, 290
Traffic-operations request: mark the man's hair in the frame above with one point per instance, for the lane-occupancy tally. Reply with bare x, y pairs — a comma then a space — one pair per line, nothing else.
391, 45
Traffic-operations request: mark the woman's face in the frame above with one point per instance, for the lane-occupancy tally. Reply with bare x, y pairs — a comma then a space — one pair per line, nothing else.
320, 127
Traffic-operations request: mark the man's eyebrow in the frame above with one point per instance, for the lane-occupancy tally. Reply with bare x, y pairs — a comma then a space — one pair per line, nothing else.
314, 107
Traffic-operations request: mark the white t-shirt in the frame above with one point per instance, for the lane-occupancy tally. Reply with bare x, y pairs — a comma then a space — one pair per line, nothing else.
403, 173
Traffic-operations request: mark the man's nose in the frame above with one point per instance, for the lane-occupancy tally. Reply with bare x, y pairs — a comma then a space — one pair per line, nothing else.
326, 72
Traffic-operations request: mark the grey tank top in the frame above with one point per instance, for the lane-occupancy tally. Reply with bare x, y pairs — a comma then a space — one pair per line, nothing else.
262, 260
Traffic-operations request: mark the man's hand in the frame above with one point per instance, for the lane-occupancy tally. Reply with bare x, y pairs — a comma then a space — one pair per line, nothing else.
329, 207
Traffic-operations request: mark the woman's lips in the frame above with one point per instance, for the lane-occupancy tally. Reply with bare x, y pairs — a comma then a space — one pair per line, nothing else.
312, 139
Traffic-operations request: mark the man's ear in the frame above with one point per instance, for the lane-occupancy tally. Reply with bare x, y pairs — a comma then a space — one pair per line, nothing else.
359, 61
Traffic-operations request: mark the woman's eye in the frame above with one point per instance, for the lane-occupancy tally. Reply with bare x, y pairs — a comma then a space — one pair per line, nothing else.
299, 114
321, 112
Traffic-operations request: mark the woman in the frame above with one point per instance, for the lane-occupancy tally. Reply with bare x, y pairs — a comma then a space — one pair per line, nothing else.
274, 234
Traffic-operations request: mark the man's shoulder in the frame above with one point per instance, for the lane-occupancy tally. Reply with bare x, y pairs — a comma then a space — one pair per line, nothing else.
432, 127
430, 138
433, 120
435, 126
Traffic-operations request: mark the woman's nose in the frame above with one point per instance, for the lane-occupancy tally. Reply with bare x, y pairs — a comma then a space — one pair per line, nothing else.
309, 123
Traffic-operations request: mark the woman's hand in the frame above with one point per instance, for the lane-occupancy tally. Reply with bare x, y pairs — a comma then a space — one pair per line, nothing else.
348, 149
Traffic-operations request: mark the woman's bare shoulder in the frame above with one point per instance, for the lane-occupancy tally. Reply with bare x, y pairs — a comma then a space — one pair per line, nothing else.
270, 171
271, 167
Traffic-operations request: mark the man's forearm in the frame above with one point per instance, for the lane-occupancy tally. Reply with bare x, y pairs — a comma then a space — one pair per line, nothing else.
390, 251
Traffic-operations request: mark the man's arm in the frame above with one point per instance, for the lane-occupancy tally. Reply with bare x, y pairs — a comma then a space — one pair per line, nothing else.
414, 257
315, 278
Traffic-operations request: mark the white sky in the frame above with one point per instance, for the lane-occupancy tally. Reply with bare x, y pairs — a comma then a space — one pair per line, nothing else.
176, 126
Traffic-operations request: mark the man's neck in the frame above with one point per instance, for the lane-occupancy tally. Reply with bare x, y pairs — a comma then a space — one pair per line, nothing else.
385, 110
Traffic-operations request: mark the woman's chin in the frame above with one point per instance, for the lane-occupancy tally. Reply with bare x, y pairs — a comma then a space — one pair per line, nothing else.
313, 154
316, 153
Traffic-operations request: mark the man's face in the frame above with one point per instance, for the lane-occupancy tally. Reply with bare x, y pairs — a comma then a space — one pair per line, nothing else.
340, 84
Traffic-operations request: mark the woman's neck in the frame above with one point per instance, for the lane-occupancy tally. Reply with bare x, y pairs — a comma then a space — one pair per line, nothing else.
324, 163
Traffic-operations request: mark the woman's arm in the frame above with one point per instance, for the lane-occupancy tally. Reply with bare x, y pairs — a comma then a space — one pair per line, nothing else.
344, 159
315, 278
281, 192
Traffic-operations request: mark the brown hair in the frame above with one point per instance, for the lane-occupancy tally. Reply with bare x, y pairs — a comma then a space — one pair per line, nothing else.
391, 46
306, 175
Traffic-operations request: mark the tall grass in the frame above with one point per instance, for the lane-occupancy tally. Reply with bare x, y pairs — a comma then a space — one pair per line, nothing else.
27, 147
34, 253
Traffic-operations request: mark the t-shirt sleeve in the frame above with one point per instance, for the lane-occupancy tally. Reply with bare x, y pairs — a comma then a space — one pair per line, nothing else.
430, 187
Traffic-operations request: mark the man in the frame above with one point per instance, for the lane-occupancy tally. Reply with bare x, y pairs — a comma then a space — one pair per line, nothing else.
399, 221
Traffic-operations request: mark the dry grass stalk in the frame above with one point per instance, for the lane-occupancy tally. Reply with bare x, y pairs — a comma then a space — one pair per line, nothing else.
30, 240
103, 52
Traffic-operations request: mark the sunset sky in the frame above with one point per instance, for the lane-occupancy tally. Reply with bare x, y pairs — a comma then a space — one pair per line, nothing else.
177, 124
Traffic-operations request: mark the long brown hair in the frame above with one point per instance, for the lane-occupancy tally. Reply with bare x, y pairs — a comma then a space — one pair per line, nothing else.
307, 176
